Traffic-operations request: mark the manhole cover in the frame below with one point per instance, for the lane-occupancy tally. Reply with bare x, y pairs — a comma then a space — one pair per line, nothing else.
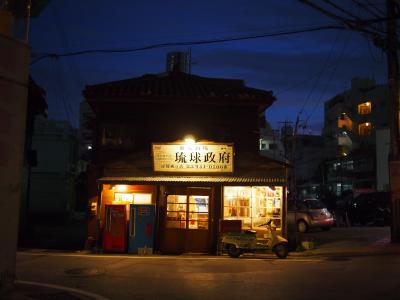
338, 258
54, 296
84, 272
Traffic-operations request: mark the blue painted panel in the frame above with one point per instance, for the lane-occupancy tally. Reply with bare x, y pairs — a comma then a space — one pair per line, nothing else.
141, 227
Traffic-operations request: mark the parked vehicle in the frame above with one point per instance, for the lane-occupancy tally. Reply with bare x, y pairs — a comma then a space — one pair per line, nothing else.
306, 214
370, 208
237, 243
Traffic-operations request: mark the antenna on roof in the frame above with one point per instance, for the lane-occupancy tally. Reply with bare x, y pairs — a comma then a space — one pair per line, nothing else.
178, 61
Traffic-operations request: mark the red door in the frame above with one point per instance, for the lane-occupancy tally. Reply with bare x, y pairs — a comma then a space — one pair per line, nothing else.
115, 229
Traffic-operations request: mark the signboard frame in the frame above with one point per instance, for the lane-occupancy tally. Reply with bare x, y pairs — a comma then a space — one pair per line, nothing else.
204, 171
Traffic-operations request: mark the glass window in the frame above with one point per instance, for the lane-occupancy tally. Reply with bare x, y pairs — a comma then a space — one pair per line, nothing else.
140, 198
184, 214
345, 122
364, 108
364, 129
132, 198
198, 212
253, 205
176, 211
237, 204
263, 144
123, 198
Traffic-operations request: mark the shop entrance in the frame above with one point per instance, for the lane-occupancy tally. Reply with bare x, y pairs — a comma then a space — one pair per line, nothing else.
186, 220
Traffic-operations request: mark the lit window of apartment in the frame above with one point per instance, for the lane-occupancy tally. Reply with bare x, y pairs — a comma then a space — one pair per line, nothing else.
263, 144
364, 108
345, 122
364, 129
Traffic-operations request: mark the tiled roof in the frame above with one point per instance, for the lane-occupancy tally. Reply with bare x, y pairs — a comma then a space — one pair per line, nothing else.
192, 179
177, 86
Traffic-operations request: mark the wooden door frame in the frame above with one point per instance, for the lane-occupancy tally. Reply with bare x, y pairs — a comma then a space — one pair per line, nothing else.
188, 191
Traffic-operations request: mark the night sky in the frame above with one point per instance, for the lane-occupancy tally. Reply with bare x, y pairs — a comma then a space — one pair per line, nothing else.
302, 70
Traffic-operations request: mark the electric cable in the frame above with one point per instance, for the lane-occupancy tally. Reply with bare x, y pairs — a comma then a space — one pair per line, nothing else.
375, 7
188, 43
366, 8
70, 64
58, 96
345, 44
320, 74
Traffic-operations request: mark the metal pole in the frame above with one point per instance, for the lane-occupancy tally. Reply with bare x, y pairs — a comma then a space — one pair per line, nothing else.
393, 86
28, 20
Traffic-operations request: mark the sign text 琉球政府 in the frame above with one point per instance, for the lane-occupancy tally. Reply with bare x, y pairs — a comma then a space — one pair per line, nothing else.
198, 158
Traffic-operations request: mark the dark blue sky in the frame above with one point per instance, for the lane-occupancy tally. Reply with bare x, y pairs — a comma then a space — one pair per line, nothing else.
288, 65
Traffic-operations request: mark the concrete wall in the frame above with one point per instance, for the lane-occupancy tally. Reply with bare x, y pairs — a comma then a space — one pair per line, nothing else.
52, 189
14, 62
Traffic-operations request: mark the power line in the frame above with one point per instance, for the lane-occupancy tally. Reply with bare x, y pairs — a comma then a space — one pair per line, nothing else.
360, 26
356, 18
297, 84
366, 8
356, 24
58, 90
188, 43
375, 7
330, 78
319, 75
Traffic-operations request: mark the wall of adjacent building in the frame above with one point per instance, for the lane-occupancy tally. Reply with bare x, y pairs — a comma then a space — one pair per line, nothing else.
53, 178
14, 62
347, 144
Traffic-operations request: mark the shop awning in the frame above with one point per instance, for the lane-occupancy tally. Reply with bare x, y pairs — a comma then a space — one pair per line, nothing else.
227, 180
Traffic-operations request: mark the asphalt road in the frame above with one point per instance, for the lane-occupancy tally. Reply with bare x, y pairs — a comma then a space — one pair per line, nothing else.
204, 277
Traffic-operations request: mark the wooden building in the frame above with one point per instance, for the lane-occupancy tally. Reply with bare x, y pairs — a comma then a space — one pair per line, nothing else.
142, 154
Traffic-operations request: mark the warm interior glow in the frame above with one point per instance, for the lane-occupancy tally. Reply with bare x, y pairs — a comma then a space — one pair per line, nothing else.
364, 108
253, 205
142, 198
187, 212
365, 129
345, 122
121, 188
123, 198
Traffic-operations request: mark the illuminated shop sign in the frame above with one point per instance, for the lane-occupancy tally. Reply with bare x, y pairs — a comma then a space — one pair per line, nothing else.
199, 158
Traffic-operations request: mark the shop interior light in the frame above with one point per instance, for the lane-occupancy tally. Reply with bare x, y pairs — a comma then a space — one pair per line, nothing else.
121, 188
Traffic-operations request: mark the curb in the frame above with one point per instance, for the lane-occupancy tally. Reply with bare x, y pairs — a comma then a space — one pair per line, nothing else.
356, 253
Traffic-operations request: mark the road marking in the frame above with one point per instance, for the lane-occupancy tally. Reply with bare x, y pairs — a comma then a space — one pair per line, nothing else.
63, 288
164, 257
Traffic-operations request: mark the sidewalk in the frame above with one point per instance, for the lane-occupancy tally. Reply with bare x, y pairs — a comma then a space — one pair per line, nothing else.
351, 241
26, 290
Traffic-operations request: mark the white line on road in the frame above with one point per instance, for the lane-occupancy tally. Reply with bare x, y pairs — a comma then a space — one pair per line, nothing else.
63, 288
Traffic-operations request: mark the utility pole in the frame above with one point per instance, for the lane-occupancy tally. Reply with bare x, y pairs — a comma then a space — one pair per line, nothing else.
390, 45
393, 85
293, 157
284, 136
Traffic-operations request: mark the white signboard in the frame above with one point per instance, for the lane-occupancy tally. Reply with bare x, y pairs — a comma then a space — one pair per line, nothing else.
196, 158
